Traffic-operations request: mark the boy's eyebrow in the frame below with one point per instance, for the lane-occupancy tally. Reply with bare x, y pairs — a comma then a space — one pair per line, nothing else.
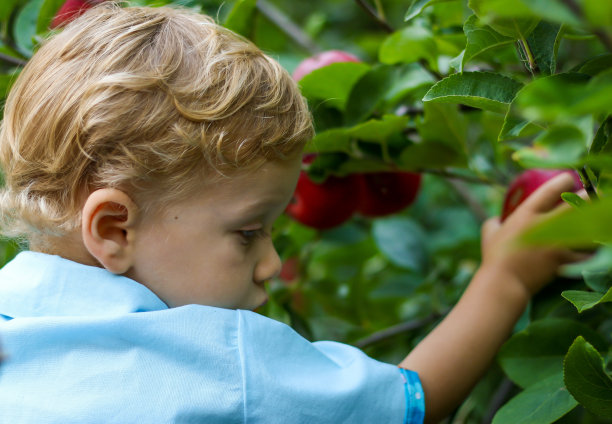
259, 209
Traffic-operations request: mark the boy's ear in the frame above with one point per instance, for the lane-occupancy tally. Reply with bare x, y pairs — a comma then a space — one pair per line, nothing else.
108, 228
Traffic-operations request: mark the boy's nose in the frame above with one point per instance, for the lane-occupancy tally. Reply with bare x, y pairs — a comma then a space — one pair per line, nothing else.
269, 265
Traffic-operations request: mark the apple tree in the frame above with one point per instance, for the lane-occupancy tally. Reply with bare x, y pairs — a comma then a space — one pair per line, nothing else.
425, 112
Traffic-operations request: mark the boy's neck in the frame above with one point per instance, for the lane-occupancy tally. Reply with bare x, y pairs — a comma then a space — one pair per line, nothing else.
69, 246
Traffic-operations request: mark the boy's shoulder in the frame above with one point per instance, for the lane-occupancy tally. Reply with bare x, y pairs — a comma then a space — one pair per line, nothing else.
211, 363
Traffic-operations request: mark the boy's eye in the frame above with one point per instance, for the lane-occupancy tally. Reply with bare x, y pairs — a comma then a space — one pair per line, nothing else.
248, 236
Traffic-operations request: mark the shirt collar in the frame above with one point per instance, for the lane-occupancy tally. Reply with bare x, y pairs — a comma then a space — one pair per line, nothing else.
36, 284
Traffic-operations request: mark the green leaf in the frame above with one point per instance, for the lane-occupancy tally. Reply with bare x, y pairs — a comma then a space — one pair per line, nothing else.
240, 18
47, 11
543, 403
409, 45
561, 146
480, 38
378, 130
417, 6
598, 281
483, 90
586, 378
577, 228
514, 126
598, 13
511, 18
584, 300
601, 142
431, 154
25, 27
560, 96
573, 199
544, 44
596, 64
537, 352
340, 139
402, 241
383, 85
442, 123
333, 83
7, 7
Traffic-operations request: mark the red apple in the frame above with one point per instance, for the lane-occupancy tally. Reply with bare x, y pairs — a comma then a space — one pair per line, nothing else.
70, 10
324, 205
527, 182
320, 60
385, 193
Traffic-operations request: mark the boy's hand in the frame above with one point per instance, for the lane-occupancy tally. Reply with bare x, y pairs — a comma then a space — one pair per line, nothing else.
532, 266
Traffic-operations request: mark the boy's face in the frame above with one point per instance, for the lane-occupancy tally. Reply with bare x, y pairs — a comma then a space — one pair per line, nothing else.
215, 248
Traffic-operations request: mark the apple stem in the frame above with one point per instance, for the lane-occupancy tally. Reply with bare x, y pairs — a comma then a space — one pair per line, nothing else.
588, 183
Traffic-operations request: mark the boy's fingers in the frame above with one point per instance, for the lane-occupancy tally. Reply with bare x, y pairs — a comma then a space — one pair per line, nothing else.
489, 227
547, 196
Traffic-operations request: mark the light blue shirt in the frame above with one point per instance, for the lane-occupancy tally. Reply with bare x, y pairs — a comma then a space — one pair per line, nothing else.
86, 346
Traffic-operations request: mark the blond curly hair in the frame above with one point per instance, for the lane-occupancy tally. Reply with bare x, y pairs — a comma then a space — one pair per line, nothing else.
153, 101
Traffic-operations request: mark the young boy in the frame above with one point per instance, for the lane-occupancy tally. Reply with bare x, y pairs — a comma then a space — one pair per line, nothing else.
147, 153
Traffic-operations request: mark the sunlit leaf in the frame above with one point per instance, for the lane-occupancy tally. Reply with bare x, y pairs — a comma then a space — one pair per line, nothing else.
483, 90
579, 228
333, 83
240, 18
408, 45
584, 300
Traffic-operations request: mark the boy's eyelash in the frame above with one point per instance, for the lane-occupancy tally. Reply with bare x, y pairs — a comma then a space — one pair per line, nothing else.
249, 235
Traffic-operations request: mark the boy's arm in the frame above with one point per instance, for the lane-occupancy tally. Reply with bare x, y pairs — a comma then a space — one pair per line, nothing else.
455, 355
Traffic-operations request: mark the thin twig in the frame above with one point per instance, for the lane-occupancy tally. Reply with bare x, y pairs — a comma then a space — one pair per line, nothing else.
394, 330
587, 183
474, 205
288, 26
499, 398
377, 18
12, 60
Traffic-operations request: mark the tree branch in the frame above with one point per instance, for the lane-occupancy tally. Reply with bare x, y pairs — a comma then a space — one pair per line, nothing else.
12, 60
377, 18
394, 330
288, 26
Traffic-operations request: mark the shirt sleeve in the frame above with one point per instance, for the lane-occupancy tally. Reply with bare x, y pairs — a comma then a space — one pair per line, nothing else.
288, 379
